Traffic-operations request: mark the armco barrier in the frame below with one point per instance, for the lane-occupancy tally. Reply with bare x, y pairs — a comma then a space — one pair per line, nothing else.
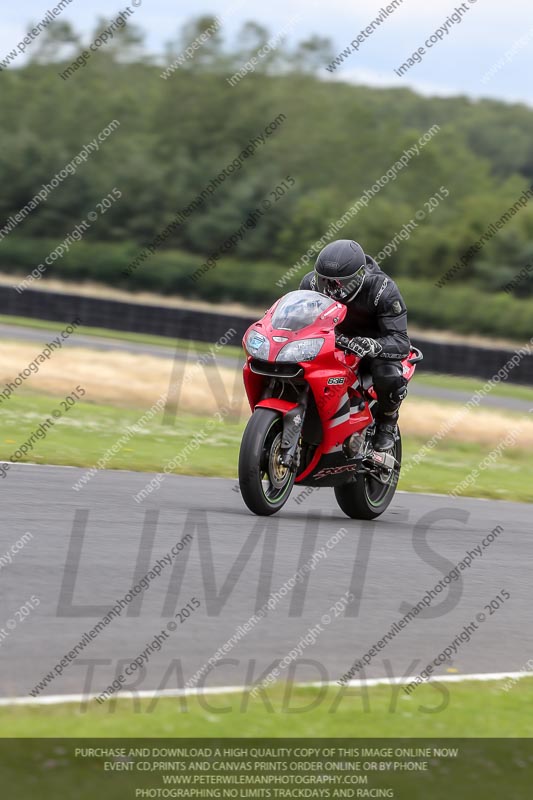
205, 326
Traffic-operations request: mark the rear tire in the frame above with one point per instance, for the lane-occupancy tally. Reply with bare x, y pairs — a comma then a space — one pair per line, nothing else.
265, 485
367, 498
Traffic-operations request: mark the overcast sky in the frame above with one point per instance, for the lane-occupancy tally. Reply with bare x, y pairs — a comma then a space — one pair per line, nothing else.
490, 30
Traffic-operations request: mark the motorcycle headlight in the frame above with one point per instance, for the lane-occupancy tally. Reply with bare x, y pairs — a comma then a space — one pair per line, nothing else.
303, 350
257, 346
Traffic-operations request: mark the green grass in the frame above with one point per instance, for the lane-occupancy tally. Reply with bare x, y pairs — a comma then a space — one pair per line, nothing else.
473, 708
35, 762
509, 478
87, 431
83, 435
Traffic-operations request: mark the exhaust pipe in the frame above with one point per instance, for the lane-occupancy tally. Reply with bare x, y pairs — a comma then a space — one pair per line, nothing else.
384, 460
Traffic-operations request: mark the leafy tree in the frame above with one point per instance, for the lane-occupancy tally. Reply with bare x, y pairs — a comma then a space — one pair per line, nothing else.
184, 133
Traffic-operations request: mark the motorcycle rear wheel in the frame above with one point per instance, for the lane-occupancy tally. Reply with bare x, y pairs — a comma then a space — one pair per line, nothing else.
367, 498
265, 485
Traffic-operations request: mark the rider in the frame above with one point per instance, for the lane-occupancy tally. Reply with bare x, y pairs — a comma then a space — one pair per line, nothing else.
375, 327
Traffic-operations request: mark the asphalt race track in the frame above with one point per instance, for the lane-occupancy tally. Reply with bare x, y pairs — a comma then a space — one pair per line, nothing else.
87, 545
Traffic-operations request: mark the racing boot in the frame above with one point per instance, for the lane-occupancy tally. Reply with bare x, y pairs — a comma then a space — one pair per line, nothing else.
386, 432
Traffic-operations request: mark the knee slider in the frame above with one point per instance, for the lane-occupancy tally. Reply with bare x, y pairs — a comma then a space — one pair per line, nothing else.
398, 395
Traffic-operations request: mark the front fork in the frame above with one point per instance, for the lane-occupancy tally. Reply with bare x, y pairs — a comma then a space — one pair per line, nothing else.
293, 422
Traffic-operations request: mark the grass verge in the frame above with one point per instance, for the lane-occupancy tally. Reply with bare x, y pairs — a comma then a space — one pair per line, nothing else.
483, 709
84, 434
457, 767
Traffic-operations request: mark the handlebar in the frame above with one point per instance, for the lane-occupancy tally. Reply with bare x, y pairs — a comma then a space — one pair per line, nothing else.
419, 356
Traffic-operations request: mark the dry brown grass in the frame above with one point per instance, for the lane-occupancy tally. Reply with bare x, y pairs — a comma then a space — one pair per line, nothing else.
117, 377
426, 418
128, 379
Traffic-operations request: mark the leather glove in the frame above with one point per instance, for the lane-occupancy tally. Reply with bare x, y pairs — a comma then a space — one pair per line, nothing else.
360, 345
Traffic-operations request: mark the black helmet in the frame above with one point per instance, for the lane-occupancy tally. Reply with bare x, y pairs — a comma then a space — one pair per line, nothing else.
340, 269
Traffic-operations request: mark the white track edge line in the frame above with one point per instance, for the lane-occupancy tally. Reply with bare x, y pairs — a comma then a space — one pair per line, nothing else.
153, 693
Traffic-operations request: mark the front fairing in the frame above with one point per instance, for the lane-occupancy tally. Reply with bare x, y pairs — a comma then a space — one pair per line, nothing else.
298, 315
329, 373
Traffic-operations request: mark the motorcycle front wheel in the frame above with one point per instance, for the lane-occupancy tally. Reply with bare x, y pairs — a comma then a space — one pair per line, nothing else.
366, 497
264, 483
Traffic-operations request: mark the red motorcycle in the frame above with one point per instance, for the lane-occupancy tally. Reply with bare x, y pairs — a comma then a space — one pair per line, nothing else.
312, 412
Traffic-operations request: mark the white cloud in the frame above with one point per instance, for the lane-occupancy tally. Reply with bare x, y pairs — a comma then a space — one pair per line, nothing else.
385, 80
456, 66
371, 77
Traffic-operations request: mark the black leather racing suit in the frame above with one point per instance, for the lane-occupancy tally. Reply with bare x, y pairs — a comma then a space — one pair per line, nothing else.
378, 311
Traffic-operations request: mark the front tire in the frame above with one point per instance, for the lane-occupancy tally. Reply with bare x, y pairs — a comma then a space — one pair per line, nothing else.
265, 485
367, 498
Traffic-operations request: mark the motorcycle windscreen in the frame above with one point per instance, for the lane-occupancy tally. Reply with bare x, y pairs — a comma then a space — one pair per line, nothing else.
299, 309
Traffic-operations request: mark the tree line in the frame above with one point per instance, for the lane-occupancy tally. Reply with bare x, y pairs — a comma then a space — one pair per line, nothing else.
181, 132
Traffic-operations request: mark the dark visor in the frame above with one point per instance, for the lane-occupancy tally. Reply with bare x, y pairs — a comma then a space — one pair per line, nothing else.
340, 288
